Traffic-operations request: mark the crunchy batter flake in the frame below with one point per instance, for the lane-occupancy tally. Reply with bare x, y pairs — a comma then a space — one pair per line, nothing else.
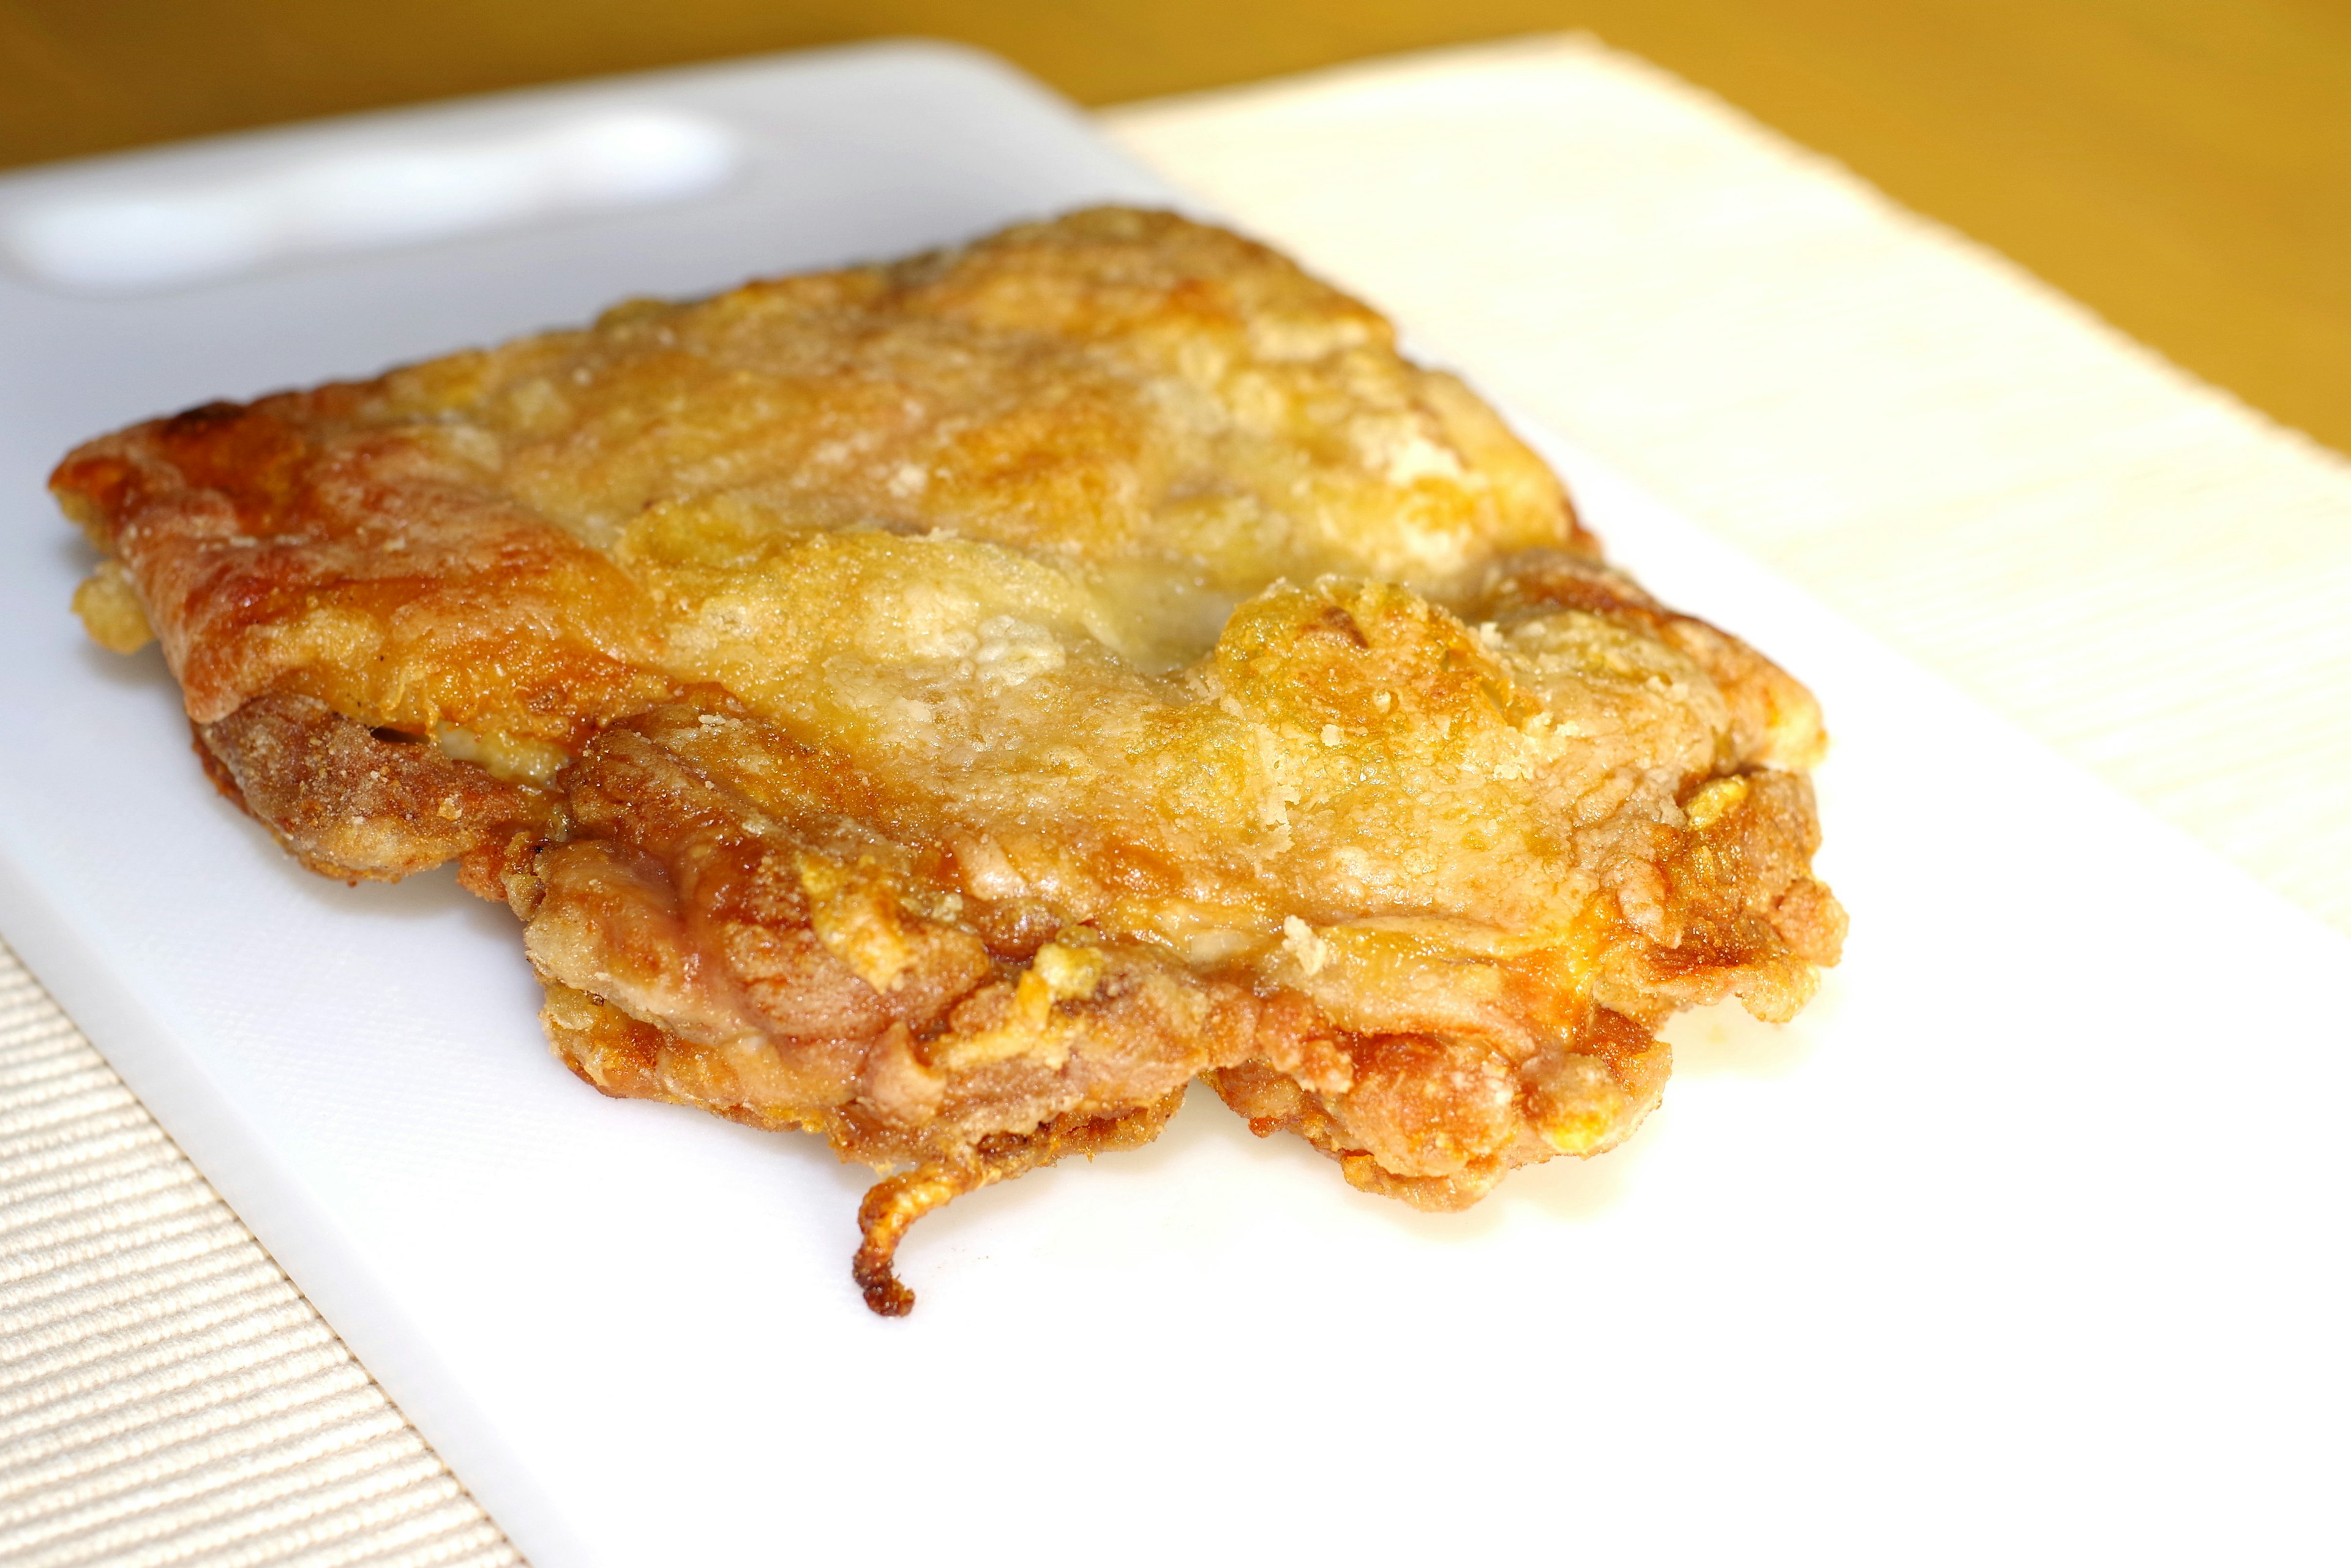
949, 706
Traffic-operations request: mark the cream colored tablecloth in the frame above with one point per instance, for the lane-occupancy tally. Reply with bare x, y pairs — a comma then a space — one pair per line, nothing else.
2127, 562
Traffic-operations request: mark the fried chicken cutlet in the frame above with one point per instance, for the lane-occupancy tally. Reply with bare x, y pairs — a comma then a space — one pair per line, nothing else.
949, 706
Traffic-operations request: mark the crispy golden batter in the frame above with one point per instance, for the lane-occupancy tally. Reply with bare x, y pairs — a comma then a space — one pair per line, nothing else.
949, 706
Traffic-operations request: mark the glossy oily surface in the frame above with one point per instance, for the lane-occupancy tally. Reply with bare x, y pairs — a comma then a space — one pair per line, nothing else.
948, 706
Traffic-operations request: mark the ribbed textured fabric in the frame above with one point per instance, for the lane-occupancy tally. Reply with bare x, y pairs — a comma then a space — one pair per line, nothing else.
2124, 560
166, 1395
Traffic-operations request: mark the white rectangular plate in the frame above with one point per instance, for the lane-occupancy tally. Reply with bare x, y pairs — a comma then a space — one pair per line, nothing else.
2024, 1241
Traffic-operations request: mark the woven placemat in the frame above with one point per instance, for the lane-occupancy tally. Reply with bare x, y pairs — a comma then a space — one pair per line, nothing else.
2124, 560
166, 1395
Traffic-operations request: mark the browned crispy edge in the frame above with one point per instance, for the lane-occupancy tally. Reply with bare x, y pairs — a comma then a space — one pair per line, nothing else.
358, 804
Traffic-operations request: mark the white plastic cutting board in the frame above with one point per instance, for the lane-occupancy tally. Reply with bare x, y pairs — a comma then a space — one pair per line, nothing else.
2024, 1243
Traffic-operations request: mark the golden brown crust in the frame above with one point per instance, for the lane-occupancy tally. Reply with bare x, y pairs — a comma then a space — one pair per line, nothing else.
1436, 1121
949, 706
348, 802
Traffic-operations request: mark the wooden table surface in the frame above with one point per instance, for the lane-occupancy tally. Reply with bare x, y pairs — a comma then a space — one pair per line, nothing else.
2183, 166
